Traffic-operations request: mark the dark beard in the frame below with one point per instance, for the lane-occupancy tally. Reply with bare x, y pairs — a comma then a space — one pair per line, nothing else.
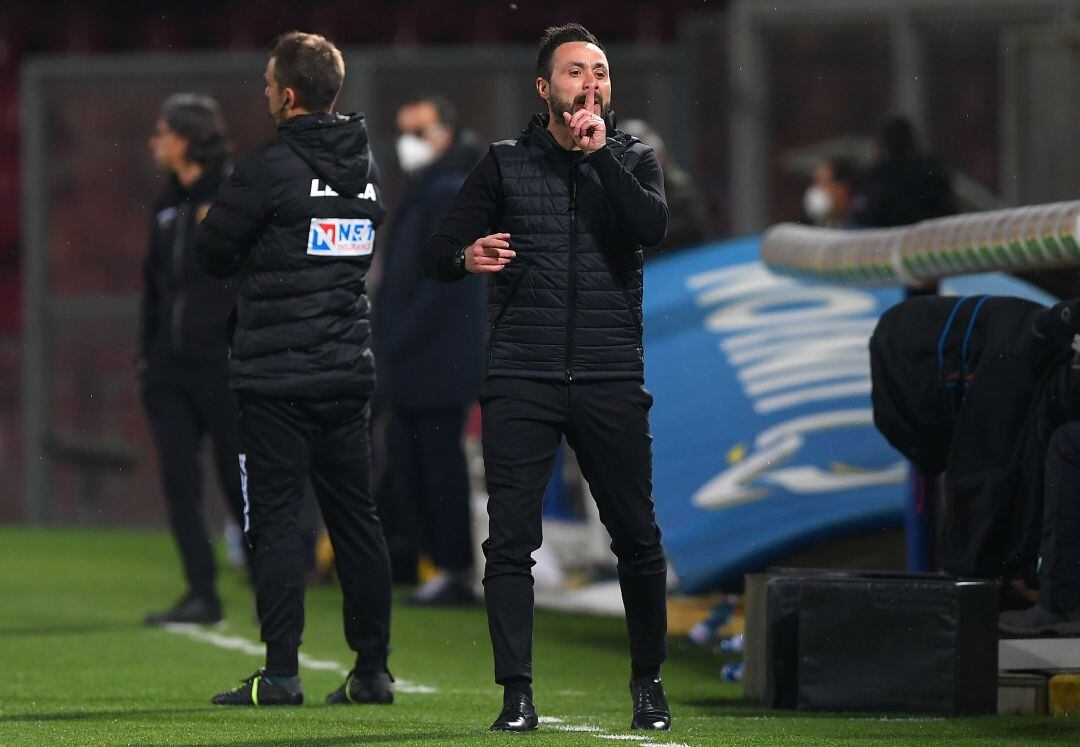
558, 107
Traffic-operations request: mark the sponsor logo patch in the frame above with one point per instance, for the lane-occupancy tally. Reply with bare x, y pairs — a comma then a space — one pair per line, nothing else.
341, 237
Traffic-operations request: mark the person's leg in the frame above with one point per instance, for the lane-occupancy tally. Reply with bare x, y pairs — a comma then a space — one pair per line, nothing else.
1059, 576
341, 475
445, 515
522, 426
177, 433
609, 432
405, 483
276, 438
219, 410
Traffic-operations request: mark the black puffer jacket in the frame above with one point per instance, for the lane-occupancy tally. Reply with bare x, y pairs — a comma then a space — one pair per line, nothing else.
297, 220
184, 310
568, 307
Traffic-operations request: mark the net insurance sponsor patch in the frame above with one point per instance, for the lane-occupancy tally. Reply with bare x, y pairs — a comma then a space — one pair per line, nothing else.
341, 237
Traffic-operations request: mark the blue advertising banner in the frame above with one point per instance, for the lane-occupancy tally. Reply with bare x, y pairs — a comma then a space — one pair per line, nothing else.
763, 431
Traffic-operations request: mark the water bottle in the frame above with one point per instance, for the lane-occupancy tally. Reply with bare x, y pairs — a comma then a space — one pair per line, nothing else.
732, 645
732, 672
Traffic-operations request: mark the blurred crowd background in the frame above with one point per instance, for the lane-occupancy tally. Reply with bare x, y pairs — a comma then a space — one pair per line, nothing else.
748, 97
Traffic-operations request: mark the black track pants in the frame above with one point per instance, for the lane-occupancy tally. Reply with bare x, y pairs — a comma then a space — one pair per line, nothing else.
428, 467
182, 410
283, 442
607, 425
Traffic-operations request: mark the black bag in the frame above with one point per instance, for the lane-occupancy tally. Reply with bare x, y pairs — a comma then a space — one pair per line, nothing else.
916, 644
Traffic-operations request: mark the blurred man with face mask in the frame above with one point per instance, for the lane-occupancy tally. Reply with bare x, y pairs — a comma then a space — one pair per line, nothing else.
429, 339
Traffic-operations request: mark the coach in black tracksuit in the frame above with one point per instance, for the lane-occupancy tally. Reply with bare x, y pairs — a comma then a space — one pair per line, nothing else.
562, 213
183, 345
297, 220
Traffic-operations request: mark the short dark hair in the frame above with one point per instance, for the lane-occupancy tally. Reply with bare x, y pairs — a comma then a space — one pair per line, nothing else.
310, 65
556, 36
198, 119
897, 137
444, 108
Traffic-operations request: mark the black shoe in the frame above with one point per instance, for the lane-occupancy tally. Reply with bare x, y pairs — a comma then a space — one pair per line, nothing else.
190, 609
518, 714
375, 687
650, 705
1038, 621
257, 691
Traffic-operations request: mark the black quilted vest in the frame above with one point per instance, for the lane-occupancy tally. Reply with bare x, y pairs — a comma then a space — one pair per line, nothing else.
569, 306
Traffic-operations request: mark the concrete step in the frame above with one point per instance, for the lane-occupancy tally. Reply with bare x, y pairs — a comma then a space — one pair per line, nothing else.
1021, 694
1038, 654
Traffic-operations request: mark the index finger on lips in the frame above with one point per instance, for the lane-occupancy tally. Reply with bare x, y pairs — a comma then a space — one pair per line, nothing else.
590, 99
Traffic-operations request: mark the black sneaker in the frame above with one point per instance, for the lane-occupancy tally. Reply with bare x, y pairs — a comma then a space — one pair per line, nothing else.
518, 714
375, 687
1038, 621
650, 705
258, 691
190, 609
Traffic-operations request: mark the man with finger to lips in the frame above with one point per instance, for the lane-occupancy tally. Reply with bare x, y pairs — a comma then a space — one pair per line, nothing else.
556, 220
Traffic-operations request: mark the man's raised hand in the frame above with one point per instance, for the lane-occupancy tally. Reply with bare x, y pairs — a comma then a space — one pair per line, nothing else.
489, 253
588, 129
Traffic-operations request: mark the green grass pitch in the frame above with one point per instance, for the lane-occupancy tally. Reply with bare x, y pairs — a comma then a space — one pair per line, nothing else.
78, 668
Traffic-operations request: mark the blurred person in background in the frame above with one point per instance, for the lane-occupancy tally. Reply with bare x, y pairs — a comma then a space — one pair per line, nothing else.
556, 219
1057, 609
905, 185
296, 222
183, 345
430, 344
829, 199
688, 221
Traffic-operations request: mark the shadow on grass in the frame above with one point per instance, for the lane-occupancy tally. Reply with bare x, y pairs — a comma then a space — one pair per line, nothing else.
445, 736
97, 715
73, 628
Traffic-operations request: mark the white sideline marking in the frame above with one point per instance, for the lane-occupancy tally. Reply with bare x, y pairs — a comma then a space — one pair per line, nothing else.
236, 643
549, 720
578, 728
642, 741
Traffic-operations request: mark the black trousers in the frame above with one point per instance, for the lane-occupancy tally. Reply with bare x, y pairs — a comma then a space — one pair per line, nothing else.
1059, 575
428, 468
607, 425
284, 442
183, 408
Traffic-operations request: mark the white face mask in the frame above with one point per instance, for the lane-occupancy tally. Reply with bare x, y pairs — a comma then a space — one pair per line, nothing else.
414, 153
817, 203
